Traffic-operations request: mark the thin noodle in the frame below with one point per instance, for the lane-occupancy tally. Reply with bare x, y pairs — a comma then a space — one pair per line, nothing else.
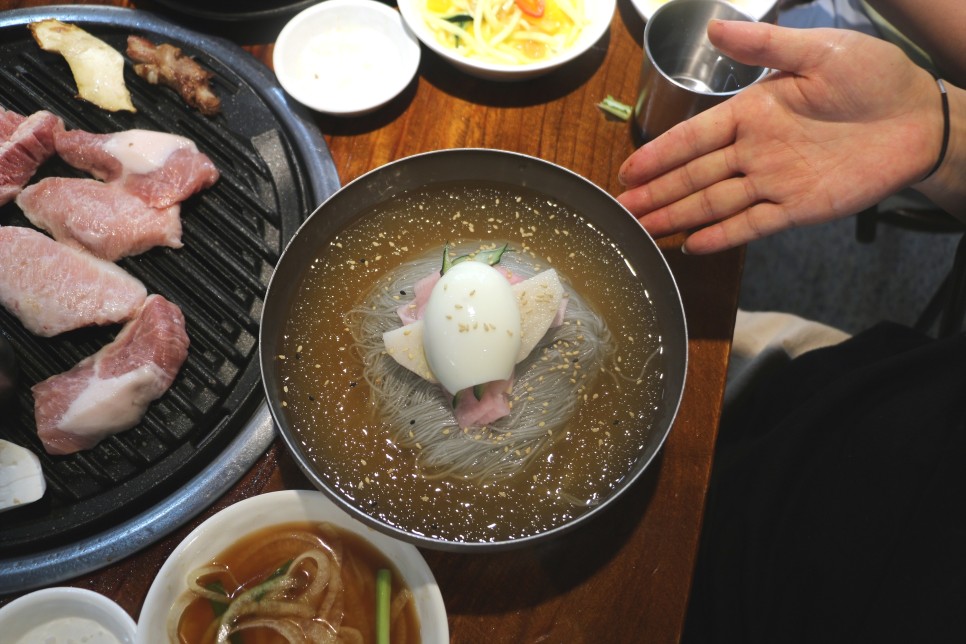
419, 415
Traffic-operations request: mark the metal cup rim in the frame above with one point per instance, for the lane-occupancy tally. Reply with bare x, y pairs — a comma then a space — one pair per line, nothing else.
668, 6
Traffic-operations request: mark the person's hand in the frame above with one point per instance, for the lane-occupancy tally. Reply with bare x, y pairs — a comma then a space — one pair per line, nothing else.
848, 121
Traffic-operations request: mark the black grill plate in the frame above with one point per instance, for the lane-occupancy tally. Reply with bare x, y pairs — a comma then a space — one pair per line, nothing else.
211, 425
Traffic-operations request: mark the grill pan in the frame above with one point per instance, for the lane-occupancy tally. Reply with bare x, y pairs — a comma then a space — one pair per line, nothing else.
246, 21
211, 426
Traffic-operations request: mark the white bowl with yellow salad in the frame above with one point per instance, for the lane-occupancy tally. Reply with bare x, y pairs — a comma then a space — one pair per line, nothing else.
508, 39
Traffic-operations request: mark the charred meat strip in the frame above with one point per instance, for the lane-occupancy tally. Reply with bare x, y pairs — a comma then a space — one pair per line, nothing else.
165, 64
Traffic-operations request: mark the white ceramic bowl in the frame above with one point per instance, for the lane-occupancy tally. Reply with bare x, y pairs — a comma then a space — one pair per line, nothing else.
79, 613
252, 514
600, 14
345, 57
757, 9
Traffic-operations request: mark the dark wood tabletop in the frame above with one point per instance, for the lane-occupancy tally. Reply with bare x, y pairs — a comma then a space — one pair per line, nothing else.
624, 577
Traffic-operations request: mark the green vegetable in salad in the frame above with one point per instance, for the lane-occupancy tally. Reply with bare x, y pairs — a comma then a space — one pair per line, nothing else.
461, 20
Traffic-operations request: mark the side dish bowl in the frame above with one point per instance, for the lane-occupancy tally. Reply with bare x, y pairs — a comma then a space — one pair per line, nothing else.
250, 515
599, 16
345, 57
356, 459
65, 614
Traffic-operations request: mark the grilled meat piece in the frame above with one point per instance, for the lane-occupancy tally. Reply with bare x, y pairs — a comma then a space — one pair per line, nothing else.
166, 65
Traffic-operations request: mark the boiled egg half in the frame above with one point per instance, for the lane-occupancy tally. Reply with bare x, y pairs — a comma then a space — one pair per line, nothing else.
471, 327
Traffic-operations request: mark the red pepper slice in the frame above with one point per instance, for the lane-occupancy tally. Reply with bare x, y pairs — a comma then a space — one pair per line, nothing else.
532, 7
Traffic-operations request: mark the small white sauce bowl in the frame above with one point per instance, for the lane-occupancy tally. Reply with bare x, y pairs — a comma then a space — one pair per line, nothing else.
757, 9
599, 15
231, 524
53, 614
345, 57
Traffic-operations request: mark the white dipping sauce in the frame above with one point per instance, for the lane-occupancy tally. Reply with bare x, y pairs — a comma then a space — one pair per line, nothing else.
349, 63
69, 630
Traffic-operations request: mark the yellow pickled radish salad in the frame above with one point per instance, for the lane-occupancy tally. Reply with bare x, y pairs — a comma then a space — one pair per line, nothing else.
510, 32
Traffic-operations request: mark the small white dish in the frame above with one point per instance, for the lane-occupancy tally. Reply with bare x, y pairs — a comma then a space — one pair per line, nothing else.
757, 9
53, 614
252, 514
600, 13
345, 57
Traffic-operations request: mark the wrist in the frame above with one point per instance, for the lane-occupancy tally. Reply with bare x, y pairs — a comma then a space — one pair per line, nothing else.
945, 184
944, 141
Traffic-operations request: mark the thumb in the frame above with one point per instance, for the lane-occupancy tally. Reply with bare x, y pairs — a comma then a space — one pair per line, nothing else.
765, 45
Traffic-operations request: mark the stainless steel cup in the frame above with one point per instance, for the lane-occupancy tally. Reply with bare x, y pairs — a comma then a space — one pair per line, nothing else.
683, 74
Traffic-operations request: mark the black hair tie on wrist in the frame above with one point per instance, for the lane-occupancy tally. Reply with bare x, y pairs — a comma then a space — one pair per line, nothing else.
945, 143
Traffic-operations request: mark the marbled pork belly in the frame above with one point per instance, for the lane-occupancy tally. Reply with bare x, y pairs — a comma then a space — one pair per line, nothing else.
110, 391
162, 169
102, 218
25, 143
53, 288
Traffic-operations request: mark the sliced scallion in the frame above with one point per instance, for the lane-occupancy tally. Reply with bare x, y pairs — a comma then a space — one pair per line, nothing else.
615, 108
383, 601
491, 257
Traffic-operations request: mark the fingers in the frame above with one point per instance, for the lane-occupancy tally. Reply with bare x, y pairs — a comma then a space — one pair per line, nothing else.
716, 202
753, 223
758, 43
688, 179
709, 131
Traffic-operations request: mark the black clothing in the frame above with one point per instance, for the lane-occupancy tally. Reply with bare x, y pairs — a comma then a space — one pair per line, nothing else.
837, 508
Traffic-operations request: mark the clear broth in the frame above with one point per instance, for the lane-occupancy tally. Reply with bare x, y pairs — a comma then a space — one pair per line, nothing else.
326, 398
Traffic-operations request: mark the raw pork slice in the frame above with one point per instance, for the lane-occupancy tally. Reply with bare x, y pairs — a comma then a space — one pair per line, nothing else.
162, 169
25, 143
53, 288
102, 218
9, 121
110, 391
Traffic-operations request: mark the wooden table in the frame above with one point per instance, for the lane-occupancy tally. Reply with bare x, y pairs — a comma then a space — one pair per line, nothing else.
626, 576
